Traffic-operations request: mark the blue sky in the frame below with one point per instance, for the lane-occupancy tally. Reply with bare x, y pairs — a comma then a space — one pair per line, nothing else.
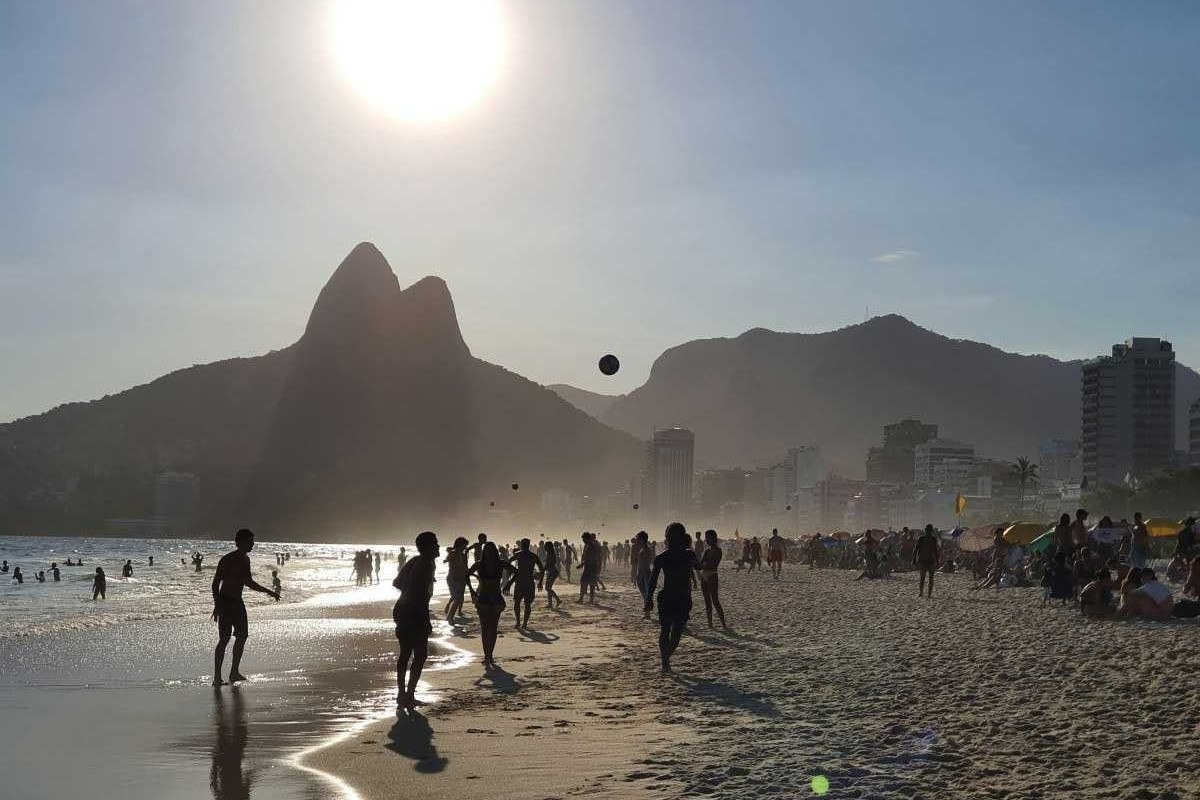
179, 180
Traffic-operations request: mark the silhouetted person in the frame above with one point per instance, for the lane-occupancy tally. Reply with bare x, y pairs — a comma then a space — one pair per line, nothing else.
643, 559
127, 570
197, 560
775, 550
99, 584
229, 610
926, 554
54, 573
276, 584
17, 576
456, 577
41, 576
411, 614
676, 564
551, 575
710, 559
489, 600
378, 560
568, 558
589, 564
477, 548
4, 567
152, 561
524, 580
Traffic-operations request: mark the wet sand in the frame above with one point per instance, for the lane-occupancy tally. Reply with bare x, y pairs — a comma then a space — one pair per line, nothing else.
821, 685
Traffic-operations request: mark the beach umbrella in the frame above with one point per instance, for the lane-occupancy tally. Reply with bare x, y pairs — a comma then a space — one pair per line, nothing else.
1162, 527
979, 538
1043, 542
1023, 533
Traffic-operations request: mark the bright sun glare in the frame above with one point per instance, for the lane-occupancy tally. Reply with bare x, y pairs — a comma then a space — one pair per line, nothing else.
419, 60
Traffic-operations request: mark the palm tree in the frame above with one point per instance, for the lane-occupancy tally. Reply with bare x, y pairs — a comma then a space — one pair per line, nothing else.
1026, 473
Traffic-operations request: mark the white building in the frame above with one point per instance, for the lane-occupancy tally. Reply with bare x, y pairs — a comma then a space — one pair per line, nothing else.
943, 463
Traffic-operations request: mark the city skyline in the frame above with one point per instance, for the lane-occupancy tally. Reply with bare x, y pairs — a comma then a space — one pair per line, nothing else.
821, 174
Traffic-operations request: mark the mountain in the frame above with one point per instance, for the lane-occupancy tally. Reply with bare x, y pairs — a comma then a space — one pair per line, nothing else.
749, 398
377, 418
593, 404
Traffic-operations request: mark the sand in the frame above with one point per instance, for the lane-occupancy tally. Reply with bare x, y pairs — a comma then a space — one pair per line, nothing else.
822, 684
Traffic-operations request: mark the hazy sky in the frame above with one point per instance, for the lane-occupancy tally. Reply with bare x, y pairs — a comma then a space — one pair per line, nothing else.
179, 179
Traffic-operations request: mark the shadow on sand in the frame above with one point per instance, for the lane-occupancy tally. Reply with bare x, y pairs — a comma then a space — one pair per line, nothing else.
728, 696
412, 737
529, 635
498, 680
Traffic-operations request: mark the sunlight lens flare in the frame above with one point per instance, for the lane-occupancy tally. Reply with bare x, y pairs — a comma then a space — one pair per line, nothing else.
419, 60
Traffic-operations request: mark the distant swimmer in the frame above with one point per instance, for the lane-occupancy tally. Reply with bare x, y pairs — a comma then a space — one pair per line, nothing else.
127, 570
152, 561
229, 610
710, 559
17, 576
676, 565
99, 584
551, 575
775, 550
54, 573
456, 577
4, 566
197, 560
276, 584
927, 552
411, 615
489, 601
41, 576
524, 581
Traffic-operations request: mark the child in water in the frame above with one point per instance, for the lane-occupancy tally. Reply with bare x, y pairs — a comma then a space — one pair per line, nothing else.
276, 584
99, 584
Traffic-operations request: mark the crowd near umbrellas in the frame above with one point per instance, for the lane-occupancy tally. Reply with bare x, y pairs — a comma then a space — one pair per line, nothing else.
979, 538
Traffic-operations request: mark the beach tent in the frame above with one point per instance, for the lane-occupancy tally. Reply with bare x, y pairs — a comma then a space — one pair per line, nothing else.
979, 538
1023, 533
840, 535
1161, 527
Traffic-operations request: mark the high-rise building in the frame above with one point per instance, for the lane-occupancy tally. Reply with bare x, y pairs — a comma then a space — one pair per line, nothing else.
831, 496
1059, 462
1194, 431
807, 466
893, 463
1128, 411
943, 463
673, 449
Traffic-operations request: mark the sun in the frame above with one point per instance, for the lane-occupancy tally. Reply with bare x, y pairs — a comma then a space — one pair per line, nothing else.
419, 61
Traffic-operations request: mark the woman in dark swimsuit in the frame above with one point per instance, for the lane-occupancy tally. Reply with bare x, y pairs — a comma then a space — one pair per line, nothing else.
709, 561
489, 601
456, 577
675, 600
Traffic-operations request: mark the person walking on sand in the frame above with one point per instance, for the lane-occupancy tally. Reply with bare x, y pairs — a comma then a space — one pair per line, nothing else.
568, 558
676, 564
775, 550
524, 581
229, 610
411, 615
589, 564
456, 577
927, 552
643, 561
99, 585
551, 575
489, 600
710, 559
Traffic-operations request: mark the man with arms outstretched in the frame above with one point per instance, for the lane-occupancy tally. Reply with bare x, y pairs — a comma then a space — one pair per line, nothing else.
233, 573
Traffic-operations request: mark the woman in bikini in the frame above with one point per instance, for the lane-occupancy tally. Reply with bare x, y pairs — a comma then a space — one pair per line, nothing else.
489, 601
710, 559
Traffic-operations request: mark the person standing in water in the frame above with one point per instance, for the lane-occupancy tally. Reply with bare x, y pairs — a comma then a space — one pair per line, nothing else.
926, 554
456, 578
489, 600
17, 576
676, 565
411, 615
54, 573
229, 610
775, 550
127, 570
99, 585
378, 561
523, 580
276, 584
710, 559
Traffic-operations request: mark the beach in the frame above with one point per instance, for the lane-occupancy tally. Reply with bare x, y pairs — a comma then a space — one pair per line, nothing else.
822, 685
